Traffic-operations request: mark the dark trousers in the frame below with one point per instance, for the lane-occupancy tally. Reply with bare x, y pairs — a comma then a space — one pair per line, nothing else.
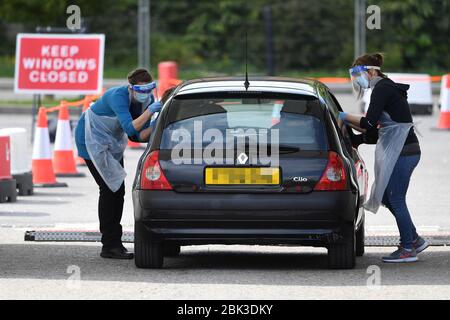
110, 208
395, 198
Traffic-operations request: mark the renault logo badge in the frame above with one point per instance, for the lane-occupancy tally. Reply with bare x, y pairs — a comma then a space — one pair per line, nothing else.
242, 158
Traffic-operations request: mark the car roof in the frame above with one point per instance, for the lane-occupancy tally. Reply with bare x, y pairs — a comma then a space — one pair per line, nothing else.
301, 86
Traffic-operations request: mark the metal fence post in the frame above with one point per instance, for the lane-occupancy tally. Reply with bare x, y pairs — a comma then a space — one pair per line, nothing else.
144, 33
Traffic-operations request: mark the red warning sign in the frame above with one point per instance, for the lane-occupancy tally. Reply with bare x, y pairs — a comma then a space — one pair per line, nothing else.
59, 64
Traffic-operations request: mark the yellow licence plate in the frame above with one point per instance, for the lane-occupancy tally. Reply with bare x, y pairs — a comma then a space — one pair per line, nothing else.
242, 176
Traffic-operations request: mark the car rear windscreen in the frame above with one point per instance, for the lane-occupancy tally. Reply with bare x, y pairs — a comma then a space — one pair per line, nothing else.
298, 120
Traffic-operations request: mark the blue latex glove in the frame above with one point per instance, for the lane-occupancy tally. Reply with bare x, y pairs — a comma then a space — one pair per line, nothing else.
155, 107
343, 117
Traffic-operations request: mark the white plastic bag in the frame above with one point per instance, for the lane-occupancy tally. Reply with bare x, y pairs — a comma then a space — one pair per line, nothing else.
392, 137
106, 142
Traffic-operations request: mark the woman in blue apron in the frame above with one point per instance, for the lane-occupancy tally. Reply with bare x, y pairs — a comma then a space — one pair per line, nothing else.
101, 137
397, 152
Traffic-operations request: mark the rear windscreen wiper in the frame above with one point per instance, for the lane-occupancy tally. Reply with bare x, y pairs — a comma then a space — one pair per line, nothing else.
282, 148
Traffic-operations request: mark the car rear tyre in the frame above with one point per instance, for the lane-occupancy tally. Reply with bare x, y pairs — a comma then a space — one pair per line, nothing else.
342, 254
171, 250
360, 238
147, 254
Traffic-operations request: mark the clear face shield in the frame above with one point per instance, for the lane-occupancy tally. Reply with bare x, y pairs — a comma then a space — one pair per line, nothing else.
359, 76
142, 93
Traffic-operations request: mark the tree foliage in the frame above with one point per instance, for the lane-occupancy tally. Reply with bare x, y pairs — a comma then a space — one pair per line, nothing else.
206, 34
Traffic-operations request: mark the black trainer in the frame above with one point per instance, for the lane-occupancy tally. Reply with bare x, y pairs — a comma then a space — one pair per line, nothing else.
117, 253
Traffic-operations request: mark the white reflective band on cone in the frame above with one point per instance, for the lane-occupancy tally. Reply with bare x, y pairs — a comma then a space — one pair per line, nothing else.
41, 146
63, 140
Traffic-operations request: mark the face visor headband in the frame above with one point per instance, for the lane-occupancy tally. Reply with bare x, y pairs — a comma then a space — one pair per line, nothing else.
358, 70
145, 88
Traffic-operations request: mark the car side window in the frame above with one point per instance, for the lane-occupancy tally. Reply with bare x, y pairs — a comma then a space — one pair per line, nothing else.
333, 105
346, 131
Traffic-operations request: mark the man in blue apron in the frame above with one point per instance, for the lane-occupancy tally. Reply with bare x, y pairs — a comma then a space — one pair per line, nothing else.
101, 138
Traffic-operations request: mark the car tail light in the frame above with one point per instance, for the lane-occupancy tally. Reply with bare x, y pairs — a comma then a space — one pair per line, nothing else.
152, 176
333, 178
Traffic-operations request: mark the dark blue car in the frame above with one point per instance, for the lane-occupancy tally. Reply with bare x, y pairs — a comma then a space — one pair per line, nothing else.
269, 165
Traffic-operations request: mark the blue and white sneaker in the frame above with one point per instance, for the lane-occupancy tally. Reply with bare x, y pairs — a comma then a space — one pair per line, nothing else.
402, 255
420, 244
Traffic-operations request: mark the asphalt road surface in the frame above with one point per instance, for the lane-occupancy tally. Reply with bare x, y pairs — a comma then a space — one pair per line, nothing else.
50, 270
75, 271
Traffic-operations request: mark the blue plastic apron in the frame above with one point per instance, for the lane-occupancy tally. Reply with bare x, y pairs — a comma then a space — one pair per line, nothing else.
392, 137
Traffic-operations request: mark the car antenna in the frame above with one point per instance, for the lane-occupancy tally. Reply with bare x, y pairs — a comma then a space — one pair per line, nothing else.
246, 83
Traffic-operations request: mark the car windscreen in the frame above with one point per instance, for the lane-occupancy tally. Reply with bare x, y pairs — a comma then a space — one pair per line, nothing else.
296, 119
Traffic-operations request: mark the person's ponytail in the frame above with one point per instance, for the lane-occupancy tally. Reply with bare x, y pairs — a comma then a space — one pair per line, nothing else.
379, 58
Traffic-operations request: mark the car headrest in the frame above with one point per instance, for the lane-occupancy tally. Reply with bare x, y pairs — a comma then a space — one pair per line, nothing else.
300, 106
210, 108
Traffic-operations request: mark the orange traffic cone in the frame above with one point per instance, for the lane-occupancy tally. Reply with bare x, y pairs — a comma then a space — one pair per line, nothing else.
167, 76
444, 117
134, 145
86, 105
63, 157
42, 167
80, 161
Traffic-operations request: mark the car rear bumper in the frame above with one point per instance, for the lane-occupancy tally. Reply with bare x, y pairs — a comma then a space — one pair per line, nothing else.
267, 236
314, 219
